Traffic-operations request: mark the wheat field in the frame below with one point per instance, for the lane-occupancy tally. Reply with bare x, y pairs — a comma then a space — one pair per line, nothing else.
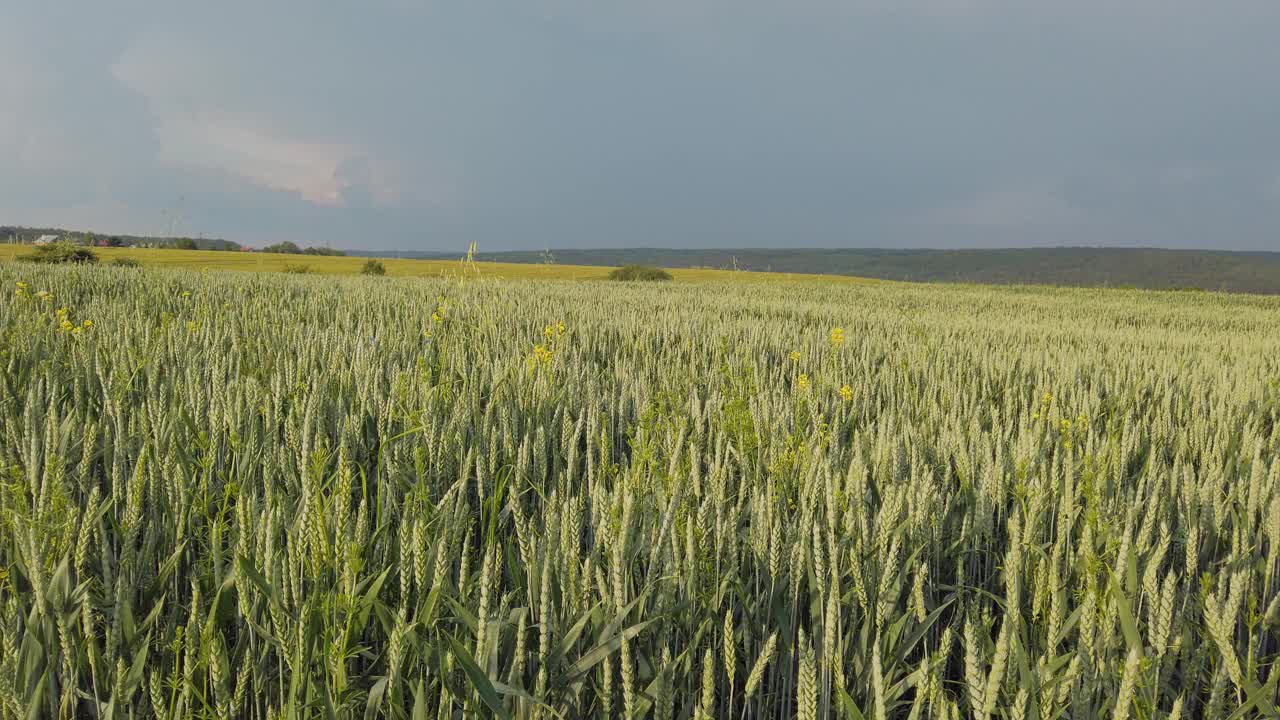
231, 495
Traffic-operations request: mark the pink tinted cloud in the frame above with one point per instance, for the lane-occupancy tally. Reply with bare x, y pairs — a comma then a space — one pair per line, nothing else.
198, 125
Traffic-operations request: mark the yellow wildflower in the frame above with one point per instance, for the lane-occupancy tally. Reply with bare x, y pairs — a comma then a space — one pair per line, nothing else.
802, 382
541, 355
846, 393
441, 307
87, 324
837, 337
795, 356
192, 325
186, 293
44, 295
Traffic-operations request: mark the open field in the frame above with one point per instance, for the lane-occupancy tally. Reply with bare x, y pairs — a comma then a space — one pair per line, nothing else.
277, 496
350, 265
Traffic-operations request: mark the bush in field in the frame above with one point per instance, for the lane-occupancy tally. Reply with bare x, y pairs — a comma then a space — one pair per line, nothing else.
639, 272
229, 495
126, 262
300, 269
58, 253
373, 267
286, 247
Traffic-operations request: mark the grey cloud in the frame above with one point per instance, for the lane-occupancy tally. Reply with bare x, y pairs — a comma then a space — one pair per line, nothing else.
704, 122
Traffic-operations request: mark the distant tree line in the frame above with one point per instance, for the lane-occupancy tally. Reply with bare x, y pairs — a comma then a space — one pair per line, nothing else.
290, 248
1147, 268
29, 235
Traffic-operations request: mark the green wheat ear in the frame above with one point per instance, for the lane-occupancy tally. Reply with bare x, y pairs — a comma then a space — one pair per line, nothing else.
232, 495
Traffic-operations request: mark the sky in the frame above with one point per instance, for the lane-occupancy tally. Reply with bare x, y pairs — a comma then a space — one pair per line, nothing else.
420, 125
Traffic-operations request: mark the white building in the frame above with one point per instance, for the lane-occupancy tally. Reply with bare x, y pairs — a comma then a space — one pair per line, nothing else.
46, 239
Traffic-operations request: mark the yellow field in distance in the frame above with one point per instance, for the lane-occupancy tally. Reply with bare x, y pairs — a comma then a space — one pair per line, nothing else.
398, 267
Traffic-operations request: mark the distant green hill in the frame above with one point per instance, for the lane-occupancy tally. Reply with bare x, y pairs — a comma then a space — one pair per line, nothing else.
1252, 272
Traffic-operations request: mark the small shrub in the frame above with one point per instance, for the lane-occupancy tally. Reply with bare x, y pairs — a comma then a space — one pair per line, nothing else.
298, 269
61, 253
373, 267
125, 263
639, 272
